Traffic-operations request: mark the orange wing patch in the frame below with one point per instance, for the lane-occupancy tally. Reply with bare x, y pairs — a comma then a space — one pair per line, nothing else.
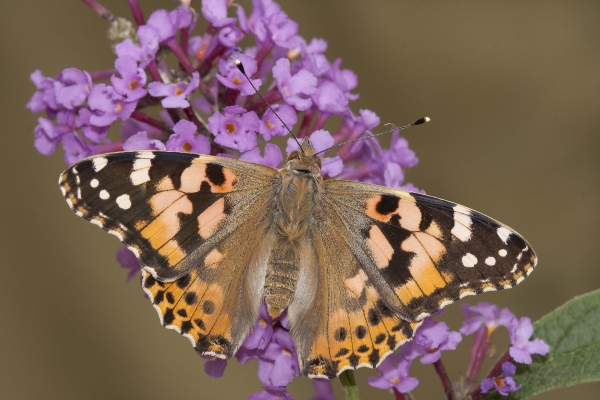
194, 309
359, 338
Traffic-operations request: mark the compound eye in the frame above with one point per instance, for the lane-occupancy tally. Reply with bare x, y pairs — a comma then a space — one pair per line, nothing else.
293, 155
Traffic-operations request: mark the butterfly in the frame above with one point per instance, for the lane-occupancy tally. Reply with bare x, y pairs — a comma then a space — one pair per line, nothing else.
357, 266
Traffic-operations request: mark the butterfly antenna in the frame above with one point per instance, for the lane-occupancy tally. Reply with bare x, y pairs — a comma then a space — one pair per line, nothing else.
240, 66
394, 129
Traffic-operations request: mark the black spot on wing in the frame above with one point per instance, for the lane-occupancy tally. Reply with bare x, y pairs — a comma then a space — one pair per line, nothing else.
190, 298
360, 332
340, 334
170, 298
208, 307
343, 351
214, 173
387, 205
186, 326
168, 316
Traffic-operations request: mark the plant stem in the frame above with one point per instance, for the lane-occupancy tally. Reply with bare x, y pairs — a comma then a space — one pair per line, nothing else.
140, 116
103, 74
441, 371
349, 383
480, 345
398, 395
100, 10
136, 10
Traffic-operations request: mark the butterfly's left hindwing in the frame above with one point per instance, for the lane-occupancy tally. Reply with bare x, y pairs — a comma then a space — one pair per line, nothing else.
423, 253
199, 226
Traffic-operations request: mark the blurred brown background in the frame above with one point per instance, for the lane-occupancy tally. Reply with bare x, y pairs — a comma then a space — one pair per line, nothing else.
513, 90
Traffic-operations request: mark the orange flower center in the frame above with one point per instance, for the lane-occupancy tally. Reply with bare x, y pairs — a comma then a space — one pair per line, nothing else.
119, 107
395, 381
133, 84
178, 91
236, 81
286, 352
430, 351
269, 124
500, 382
230, 127
186, 147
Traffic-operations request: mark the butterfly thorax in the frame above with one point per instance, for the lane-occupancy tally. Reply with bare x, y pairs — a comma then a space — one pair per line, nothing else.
298, 205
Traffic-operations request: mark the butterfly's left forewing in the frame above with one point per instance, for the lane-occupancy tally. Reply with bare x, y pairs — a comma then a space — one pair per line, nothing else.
199, 226
423, 253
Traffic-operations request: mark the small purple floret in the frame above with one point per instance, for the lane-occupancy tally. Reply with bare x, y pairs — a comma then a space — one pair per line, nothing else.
230, 76
271, 159
430, 340
504, 384
296, 88
521, 347
174, 95
184, 139
394, 374
132, 81
235, 129
140, 141
128, 261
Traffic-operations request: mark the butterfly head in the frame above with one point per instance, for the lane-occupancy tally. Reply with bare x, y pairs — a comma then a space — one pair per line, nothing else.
304, 161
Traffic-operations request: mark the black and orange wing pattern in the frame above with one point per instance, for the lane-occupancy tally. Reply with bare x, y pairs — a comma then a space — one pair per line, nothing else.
195, 222
423, 253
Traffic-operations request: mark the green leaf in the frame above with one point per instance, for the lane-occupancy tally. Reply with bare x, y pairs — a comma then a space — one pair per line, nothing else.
573, 333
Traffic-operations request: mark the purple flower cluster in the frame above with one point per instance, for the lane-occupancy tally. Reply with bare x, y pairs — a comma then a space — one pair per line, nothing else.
433, 337
482, 320
206, 91
272, 345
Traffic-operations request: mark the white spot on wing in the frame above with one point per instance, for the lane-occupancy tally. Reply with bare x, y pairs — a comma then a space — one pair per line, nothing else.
445, 303
99, 163
94, 183
489, 289
469, 260
462, 224
521, 279
124, 202
502, 253
117, 234
490, 261
140, 176
504, 233
467, 293
79, 193
137, 254
63, 191
104, 194
514, 268
141, 163
145, 154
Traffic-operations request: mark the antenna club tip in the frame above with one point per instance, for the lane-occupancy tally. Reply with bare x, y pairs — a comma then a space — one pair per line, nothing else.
422, 121
240, 66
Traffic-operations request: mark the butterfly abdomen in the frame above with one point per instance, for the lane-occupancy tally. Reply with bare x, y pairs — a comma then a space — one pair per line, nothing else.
296, 204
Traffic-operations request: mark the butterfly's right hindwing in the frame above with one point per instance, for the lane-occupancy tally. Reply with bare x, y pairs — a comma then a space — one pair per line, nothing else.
170, 209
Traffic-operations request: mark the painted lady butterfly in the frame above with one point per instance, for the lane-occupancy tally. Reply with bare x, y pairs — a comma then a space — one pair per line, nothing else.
356, 265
